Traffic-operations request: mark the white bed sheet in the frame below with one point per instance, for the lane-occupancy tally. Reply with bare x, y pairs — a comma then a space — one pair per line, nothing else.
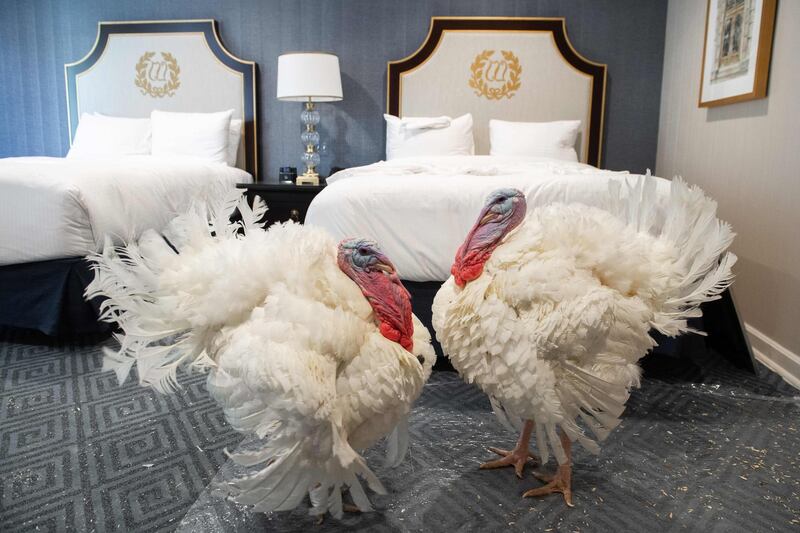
420, 209
57, 207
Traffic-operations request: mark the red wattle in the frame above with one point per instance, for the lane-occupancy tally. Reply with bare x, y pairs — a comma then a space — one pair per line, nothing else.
457, 276
389, 332
397, 336
472, 272
390, 301
407, 343
469, 267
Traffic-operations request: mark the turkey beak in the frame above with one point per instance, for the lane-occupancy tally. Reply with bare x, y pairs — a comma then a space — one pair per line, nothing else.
383, 268
488, 217
383, 264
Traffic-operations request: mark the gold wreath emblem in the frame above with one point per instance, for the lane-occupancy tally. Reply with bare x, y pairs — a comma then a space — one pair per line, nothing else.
157, 78
495, 78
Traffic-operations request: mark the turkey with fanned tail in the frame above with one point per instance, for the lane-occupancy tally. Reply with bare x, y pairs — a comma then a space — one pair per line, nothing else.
548, 312
310, 346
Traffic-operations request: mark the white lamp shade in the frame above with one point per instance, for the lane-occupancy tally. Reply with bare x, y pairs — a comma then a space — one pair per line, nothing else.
309, 76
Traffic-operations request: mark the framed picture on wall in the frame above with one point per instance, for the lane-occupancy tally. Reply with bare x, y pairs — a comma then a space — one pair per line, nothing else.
737, 49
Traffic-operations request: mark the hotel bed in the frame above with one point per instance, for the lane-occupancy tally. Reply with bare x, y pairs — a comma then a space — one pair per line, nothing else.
421, 201
53, 208
54, 211
420, 207
431, 202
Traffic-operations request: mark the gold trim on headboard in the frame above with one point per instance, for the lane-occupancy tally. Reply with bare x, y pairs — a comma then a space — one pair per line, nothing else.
556, 26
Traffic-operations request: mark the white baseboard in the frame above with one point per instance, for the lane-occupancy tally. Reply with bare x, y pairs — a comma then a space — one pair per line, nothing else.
777, 358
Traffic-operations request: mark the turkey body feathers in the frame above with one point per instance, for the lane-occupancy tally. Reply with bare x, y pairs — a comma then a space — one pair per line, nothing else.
293, 351
553, 328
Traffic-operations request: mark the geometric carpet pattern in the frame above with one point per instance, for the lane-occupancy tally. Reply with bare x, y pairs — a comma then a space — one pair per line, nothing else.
702, 446
713, 450
79, 452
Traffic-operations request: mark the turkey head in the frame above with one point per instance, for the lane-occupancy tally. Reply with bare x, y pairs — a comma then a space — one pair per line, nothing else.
365, 264
504, 210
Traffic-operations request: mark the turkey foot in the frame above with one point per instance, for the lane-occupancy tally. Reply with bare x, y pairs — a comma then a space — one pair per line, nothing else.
347, 508
561, 481
517, 457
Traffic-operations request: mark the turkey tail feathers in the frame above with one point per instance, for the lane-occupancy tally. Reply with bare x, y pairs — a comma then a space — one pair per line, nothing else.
292, 468
287, 398
185, 298
507, 419
690, 225
586, 397
397, 444
165, 325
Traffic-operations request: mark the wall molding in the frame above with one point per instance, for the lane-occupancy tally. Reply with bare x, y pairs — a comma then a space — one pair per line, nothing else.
776, 357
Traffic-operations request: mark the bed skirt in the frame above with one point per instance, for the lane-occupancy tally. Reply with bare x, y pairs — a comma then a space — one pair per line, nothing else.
47, 296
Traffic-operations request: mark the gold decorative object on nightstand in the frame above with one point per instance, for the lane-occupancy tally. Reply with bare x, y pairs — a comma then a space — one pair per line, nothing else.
309, 77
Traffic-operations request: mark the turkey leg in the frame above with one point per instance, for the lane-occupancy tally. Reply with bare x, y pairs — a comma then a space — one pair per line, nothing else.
561, 481
516, 457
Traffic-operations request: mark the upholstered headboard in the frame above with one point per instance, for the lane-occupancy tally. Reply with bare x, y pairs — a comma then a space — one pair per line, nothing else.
175, 65
518, 69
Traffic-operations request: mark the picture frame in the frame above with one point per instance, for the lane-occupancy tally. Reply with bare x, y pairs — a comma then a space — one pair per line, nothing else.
736, 51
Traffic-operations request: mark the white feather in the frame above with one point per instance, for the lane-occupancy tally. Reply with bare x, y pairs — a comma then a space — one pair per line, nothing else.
554, 326
291, 343
397, 444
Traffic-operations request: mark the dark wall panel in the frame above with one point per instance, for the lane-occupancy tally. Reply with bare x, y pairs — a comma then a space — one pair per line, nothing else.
38, 36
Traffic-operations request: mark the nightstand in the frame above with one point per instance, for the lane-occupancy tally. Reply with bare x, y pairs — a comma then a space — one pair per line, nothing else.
285, 202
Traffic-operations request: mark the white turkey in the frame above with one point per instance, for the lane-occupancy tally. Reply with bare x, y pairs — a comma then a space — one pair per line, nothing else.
548, 312
311, 346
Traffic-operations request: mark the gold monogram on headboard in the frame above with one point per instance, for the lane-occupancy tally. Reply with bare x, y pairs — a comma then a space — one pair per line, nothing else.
495, 77
157, 77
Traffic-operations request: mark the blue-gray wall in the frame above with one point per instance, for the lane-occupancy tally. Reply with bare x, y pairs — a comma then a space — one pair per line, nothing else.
38, 36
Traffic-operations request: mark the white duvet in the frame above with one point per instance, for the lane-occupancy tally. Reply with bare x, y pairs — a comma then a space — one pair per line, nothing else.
420, 209
56, 207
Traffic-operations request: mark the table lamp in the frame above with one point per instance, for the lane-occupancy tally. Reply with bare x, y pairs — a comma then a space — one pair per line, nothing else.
309, 77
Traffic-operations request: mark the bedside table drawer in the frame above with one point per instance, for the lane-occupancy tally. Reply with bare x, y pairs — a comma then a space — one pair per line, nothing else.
282, 210
284, 202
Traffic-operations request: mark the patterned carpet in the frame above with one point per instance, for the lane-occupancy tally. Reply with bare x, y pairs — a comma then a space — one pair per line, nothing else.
703, 446
80, 453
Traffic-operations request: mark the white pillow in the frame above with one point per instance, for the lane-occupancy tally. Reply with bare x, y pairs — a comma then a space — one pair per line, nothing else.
200, 135
234, 138
104, 136
423, 136
543, 139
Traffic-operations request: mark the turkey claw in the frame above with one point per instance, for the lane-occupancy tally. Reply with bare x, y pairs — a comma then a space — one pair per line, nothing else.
498, 451
560, 482
516, 458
